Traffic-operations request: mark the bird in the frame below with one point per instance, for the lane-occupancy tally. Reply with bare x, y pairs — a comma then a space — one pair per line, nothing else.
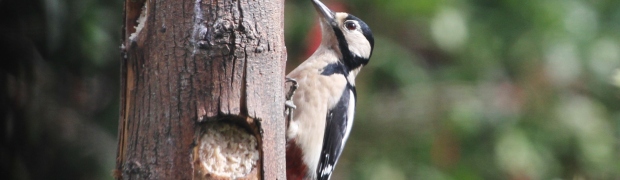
322, 101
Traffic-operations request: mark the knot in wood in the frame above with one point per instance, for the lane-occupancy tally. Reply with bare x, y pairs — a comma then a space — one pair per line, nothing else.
223, 26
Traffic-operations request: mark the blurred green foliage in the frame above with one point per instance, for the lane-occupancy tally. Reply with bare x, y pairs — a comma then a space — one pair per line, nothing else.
60, 77
470, 89
483, 89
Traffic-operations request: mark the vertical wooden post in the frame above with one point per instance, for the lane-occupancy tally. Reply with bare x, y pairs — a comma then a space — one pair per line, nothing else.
202, 90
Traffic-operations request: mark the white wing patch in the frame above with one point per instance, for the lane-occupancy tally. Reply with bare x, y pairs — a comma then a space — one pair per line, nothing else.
350, 113
351, 77
327, 171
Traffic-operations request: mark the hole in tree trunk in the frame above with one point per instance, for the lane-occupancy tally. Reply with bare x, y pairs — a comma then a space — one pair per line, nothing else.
226, 151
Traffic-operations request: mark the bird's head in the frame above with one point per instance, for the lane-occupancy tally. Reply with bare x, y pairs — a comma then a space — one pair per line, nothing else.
348, 35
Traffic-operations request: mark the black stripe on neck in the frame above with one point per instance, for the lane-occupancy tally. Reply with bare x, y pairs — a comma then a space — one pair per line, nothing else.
339, 68
350, 60
335, 68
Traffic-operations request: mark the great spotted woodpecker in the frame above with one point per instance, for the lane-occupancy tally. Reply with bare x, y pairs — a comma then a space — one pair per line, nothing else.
324, 101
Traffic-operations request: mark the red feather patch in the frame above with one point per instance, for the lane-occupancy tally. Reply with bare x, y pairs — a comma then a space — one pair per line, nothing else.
296, 169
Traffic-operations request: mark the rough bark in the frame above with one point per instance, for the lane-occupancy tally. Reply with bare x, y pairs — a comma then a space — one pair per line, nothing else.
202, 78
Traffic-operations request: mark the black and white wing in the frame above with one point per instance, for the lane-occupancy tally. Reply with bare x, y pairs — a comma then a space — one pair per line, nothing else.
338, 126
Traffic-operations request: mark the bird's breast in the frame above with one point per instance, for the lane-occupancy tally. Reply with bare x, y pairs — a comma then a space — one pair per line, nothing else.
316, 94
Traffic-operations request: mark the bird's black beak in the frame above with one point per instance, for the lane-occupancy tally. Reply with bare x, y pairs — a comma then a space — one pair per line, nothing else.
324, 12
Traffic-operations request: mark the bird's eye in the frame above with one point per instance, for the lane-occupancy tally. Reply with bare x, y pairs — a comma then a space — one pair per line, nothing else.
350, 25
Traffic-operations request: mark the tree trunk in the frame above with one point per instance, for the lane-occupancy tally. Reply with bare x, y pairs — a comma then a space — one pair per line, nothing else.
202, 94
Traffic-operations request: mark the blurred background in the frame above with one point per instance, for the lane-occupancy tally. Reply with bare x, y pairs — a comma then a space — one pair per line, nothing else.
467, 89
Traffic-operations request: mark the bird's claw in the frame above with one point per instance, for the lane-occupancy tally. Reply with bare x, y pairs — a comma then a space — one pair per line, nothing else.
293, 88
289, 104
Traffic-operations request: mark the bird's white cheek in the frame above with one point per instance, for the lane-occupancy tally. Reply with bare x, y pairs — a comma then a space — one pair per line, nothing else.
359, 46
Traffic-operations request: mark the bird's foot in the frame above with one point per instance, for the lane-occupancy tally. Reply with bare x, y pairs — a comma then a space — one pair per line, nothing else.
289, 104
